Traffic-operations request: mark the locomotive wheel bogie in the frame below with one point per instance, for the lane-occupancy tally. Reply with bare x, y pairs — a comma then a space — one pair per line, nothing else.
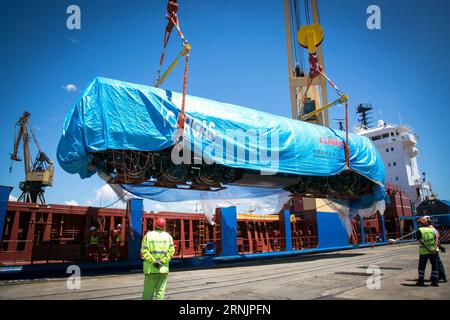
133, 167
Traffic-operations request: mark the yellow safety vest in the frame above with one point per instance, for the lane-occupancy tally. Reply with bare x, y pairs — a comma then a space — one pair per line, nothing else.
157, 245
93, 241
429, 239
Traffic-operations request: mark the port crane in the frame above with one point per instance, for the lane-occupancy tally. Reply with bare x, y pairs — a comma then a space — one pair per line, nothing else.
308, 90
39, 173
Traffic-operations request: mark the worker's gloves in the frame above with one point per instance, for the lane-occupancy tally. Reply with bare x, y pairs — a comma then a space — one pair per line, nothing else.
443, 250
158, 264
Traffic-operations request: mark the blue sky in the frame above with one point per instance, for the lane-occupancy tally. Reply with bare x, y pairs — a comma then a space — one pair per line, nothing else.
238, 56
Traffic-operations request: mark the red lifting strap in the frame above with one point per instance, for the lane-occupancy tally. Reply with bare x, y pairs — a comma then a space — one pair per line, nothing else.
172, 9
315, 67
171, 16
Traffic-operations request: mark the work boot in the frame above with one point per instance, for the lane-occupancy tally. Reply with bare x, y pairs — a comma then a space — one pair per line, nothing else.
435, 284
420, 283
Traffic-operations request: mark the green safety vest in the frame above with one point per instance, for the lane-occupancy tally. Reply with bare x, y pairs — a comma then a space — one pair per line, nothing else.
429, 238
157, 245
116, 238
93, 241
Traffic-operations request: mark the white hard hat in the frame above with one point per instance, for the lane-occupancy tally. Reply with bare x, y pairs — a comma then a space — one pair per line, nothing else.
424, 219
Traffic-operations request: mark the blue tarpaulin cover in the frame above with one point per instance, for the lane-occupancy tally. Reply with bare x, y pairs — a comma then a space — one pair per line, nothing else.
112, 114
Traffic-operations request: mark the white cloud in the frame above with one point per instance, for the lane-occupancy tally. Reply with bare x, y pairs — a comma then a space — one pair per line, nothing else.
105, 196
119, 205
71, 203
105, 192
12, 198
182, 206
71, 88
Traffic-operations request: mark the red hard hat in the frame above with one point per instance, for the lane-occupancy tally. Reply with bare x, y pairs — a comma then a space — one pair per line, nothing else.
160, 223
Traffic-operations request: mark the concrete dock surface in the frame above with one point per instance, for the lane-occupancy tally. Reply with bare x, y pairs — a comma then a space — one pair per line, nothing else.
351, 274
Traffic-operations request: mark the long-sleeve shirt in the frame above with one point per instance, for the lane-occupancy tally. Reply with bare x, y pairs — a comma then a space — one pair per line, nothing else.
157, 245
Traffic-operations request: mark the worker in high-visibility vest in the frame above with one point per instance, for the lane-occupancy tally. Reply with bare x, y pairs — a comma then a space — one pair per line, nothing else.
441, 269
157, 250
93, 239
93, 249
428, 250
115, 243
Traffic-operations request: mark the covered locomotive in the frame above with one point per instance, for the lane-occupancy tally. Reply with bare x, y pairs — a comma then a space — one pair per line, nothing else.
129, 132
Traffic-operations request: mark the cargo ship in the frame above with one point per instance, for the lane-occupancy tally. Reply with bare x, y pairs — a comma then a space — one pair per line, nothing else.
56, 235
36, 234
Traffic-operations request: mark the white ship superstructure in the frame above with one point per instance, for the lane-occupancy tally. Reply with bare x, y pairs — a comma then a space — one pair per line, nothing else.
397, 145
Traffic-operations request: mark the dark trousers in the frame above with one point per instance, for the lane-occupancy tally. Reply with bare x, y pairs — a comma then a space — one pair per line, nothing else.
423, 259
440, 268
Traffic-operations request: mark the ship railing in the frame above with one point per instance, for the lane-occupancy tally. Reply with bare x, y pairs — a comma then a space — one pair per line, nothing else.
373, 237
305, 242
58, 250
274, 244
192, 248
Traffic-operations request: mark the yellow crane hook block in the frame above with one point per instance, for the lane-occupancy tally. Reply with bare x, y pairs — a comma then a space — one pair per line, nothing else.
310, 37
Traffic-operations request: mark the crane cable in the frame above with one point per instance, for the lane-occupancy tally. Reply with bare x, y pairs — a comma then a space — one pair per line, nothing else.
308, 20
293, 31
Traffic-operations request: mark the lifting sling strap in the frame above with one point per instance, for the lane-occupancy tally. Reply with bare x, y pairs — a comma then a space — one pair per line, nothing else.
171, 16
317, 70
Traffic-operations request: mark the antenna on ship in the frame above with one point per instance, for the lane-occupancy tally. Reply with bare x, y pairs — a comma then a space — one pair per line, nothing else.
341, 124
364, 112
